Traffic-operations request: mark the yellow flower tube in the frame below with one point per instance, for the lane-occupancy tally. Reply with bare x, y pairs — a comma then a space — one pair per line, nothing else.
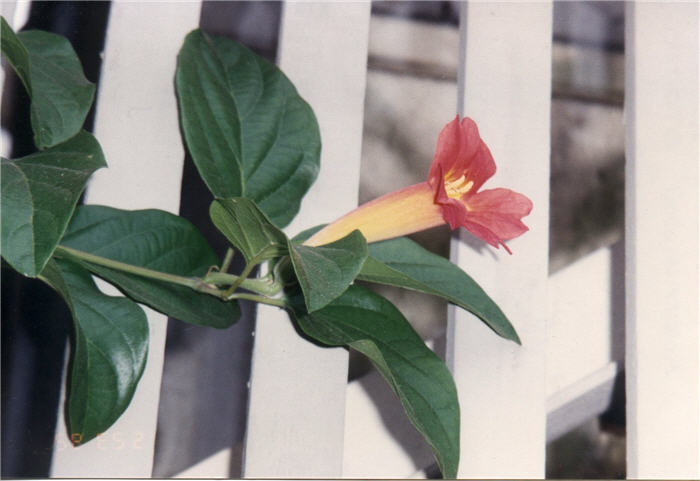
399, 213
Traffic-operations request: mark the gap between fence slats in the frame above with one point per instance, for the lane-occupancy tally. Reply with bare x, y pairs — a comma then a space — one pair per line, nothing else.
586, 319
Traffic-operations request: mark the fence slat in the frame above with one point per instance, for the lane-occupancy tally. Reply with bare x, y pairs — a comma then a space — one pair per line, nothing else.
663, 340
137, 126
297, 393
504, 84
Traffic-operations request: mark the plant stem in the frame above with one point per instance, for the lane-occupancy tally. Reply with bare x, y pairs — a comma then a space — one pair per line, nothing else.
227, 260
192, 282
63, 251
260, 286
261, 299
239, 282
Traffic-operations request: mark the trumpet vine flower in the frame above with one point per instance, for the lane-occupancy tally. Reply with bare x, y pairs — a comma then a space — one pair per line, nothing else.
462, 164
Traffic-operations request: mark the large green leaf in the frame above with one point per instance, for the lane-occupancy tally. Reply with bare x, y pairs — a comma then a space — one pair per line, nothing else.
307, 233
248, 229
370, 324
249, 132
15, 53
324, 272
50, 70
109, 350
403, 263
156, 240
39, 193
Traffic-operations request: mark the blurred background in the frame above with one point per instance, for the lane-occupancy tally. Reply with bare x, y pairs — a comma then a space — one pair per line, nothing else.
410, 94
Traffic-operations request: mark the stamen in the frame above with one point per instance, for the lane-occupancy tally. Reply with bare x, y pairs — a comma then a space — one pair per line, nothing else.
459, 187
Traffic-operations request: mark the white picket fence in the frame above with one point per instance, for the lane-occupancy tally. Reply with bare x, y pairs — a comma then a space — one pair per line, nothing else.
304, 419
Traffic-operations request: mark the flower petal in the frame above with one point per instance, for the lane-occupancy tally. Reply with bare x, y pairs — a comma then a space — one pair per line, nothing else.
494, 215
460, 151
446, 151
484, 234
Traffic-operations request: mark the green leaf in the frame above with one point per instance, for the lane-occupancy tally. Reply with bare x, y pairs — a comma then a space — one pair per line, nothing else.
39, 193
306, 234
156, 240
50, 70
15, 53
324, 272
109, 350
403, 263
249, 132
370, 324
248, 229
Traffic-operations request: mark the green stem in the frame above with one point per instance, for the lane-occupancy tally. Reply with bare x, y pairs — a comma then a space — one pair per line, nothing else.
227, 260
261, 286
239, 282
191, 282
261, 299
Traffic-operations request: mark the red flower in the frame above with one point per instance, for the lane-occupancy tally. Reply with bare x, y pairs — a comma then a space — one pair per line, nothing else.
461, 165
